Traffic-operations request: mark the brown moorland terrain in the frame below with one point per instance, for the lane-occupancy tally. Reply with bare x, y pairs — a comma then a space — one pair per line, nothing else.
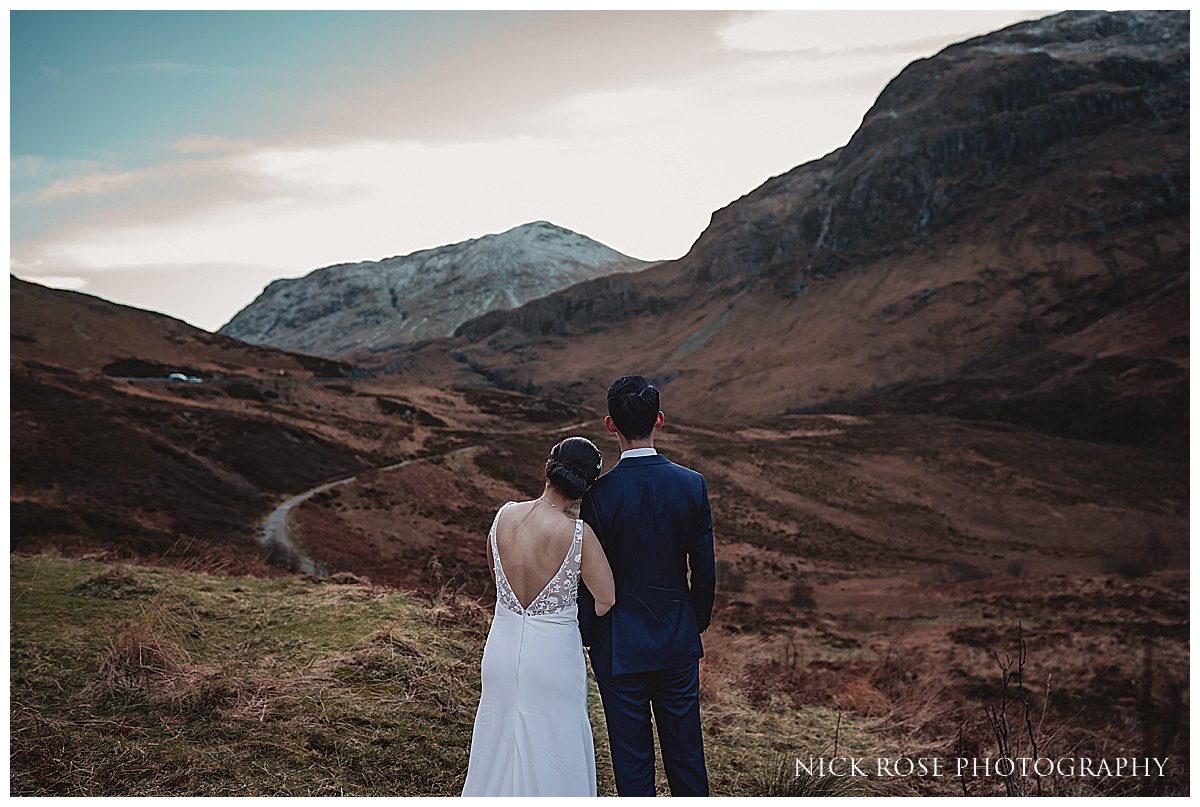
869, 565
946, 465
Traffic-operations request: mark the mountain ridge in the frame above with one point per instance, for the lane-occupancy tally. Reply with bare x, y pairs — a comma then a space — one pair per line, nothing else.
93, 336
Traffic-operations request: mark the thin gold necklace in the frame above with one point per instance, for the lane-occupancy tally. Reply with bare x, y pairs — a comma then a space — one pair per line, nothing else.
543, 498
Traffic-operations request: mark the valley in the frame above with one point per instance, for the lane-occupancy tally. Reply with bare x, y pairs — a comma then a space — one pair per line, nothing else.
937, 382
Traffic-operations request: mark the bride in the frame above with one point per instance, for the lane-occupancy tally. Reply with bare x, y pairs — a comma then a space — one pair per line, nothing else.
532, 736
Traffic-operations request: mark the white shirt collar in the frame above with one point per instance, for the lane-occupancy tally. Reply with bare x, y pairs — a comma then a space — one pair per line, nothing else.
638, 452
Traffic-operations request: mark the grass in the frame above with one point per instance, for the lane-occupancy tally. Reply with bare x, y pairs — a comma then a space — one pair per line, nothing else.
162, 681
225, 685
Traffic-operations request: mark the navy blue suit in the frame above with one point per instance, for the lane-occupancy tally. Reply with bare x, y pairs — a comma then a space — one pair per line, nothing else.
654, 521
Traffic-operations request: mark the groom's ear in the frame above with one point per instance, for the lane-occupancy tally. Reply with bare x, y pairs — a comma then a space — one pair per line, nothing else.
608, 424
660, 420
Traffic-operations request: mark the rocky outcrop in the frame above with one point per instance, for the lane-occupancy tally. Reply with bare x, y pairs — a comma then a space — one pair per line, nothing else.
951, 131
606, 299
364, 308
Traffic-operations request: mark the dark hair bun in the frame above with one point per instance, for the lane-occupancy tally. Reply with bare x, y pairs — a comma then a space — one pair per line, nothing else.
574, 465
568, 480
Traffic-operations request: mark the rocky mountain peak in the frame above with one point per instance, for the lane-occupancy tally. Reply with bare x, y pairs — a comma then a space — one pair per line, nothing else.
357, 308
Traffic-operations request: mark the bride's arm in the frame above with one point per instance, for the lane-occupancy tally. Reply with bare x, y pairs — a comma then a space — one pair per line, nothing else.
597, 574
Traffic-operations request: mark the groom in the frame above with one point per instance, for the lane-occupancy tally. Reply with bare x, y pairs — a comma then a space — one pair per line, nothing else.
653, 519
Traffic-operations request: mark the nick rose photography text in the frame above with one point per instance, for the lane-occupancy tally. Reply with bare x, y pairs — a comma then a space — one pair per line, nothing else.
981, 766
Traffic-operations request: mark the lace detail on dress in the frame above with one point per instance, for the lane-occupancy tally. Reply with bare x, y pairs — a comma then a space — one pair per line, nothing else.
562, 590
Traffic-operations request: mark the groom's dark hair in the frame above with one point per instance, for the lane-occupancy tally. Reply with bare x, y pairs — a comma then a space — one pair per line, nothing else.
633, 406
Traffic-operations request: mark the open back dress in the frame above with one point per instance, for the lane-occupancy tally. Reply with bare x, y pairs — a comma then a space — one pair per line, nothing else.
532, 735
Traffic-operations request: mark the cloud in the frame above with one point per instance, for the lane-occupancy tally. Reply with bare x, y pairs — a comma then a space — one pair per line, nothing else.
205, 295
828, 32
183, 190
89, 184
70, 282
532, 79
505, 131
496, 89
31, 167
508, 83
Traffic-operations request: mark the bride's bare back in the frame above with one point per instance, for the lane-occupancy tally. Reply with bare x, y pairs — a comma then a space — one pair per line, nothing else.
533, 538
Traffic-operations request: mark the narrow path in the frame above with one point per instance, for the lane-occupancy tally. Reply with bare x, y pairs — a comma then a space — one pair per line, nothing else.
275, 532
569, 428
275, 528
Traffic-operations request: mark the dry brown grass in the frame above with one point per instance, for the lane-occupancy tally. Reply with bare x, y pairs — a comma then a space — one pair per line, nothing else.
725, 671
919, 698
192, 554
148, 652
222, 686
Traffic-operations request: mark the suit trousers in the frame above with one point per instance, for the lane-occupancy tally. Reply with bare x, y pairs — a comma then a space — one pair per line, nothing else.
674, 696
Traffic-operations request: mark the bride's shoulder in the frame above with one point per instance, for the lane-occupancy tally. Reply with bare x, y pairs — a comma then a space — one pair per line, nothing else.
511, 505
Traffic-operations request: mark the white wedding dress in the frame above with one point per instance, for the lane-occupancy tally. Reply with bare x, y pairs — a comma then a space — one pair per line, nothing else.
532, 735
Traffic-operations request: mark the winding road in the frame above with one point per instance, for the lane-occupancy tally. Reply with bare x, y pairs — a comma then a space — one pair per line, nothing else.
275, 528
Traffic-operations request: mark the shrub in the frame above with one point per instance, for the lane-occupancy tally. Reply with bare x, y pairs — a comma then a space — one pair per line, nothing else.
802, 595
965, 572
245, 390
729, 577
1128, 567
145, 653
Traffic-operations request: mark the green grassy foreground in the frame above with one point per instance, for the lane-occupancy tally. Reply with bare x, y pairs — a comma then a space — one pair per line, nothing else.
141, 680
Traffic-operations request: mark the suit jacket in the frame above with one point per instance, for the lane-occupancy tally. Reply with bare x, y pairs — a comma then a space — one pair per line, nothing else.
655, 523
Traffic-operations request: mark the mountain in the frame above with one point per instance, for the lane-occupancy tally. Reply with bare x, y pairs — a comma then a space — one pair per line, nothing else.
378, 305
1005, 236
108, 452
82, 333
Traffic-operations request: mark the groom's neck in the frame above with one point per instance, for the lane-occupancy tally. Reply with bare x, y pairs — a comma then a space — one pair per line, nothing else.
626, 445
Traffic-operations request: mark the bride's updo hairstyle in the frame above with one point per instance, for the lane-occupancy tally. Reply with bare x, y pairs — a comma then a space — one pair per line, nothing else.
573, 466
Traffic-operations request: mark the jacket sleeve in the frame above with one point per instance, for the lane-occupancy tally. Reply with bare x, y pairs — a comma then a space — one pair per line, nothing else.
702, 563
586, 602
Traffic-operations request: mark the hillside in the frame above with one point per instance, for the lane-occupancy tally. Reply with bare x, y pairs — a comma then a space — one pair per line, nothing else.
870, 562
107, 452
139, 681
1005, 236
129, 680
364, 308
89, 335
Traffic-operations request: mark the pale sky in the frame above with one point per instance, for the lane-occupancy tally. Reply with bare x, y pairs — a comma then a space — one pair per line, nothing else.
180, 161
